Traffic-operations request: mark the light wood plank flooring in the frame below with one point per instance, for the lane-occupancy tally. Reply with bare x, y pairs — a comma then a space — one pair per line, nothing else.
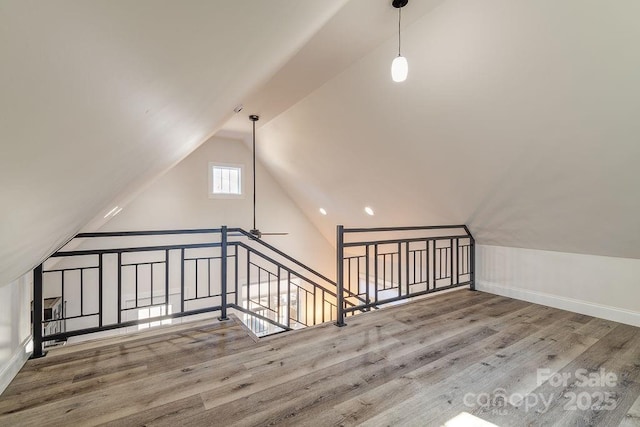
420, 363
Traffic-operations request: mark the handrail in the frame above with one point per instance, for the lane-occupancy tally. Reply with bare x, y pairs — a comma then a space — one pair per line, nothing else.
405, 228
271, 260
147, 232
135, 249
413, 239
306, 279
293, 260
282, 254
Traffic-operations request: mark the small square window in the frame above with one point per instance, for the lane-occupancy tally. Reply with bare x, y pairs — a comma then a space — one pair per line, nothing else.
225, 180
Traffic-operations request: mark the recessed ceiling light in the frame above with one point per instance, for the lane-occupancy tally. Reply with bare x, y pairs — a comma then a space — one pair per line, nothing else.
323, 211
111, 211
369, 211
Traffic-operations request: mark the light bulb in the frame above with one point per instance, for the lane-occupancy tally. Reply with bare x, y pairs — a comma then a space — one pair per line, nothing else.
399, 69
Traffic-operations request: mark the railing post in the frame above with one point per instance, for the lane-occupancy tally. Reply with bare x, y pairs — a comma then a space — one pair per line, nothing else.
472, 259
120, 287
37, 313
472, 248
181, 280
223, 273
340, 276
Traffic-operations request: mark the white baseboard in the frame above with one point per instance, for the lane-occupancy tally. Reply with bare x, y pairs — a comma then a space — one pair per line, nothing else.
13, 366
578, 306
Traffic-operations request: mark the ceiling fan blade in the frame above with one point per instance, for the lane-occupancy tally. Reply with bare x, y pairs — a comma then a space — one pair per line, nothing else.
257, 234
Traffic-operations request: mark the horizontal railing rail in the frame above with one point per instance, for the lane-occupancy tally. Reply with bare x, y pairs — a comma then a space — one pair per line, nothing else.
148, 233
387, 264
403, 228
323, 281
282, 254
133, 249
281, 293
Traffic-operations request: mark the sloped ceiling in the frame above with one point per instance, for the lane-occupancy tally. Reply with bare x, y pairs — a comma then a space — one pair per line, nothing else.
518, 118
98, 97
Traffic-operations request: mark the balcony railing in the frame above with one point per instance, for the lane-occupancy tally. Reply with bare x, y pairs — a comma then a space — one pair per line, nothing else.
385, 265
103, 281
108, 280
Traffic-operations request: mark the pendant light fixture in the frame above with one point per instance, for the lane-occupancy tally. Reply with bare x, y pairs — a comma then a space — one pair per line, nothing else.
399, 66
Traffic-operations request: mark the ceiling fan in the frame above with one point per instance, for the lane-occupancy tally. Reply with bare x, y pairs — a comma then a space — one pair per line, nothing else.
255, 232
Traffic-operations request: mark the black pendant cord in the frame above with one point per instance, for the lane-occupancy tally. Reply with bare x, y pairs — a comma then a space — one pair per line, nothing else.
399, 20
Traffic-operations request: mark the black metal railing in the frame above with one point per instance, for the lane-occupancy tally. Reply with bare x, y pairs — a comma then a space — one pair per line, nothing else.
108, 280
388, 264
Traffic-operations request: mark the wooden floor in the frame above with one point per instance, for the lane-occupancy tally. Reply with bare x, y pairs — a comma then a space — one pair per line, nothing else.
421, 363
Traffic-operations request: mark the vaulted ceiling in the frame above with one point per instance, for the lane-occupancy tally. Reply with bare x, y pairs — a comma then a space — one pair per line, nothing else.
518, 118
98, 97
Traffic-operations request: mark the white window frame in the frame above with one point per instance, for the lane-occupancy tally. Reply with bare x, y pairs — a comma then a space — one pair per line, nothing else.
213, 195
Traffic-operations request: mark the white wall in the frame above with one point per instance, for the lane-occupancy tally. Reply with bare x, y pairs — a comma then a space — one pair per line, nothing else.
599, 286
518, 118
98, 98
15, 328
179, 199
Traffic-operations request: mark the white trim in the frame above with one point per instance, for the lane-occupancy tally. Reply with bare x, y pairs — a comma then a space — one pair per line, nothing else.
578, 306
243, 178
11, 369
